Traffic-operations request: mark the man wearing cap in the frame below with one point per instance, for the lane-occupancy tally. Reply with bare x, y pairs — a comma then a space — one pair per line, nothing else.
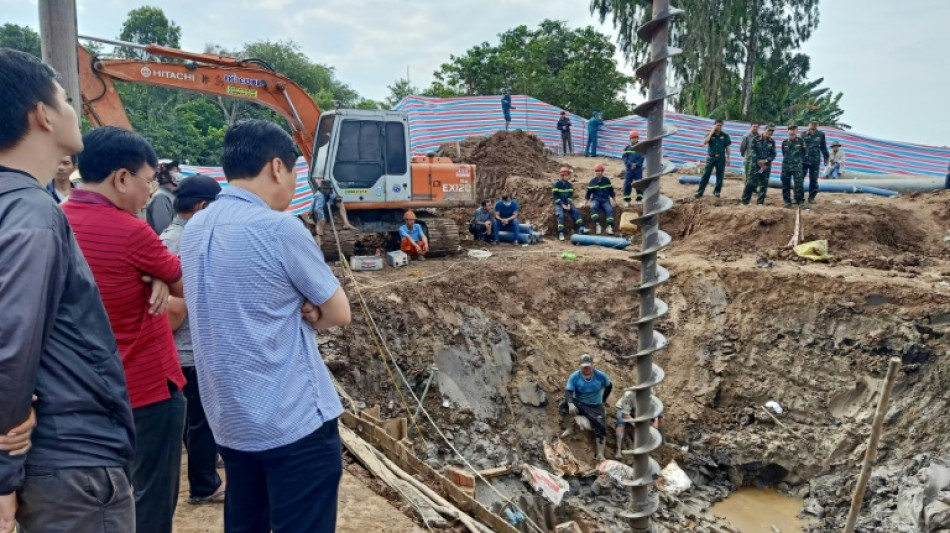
564, 126
633, 162
205, 485
506, 107
414, 240
587, 390
793, 164
835, 165
601, 195
160, 209
563, 198
718, 142
626, 411
745, 149
760, 155
816, 149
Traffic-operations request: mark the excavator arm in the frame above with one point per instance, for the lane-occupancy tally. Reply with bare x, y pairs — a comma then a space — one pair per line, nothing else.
201, 73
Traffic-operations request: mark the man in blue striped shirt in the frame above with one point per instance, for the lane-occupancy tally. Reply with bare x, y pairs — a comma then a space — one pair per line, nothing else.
256, 287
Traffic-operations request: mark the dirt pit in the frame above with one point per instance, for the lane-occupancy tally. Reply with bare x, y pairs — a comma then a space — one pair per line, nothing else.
749, 323
752, 510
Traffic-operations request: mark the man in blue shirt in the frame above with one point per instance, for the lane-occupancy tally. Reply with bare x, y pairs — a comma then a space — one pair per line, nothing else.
633, 162
601, 195
481, 224
506, 107
506, 218
413, 240
594, 125
256, 288
587, 390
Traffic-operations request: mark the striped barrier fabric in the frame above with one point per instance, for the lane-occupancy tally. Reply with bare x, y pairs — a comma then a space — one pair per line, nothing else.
435, 121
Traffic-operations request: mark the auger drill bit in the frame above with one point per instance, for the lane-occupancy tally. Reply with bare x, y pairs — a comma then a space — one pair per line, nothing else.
646, 438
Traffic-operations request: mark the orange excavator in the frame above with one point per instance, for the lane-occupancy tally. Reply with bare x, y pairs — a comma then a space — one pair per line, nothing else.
363, 155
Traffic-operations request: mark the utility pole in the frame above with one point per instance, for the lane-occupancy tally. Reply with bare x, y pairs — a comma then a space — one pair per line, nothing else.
59, 38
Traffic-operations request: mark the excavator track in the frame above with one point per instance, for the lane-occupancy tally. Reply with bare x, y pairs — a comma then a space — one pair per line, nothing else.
443, 235
348, 240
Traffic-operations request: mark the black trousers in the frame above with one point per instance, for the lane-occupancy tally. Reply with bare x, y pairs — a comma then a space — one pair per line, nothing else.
78, 500
291, 489
157, 464
812, 170
203, 478
567, 143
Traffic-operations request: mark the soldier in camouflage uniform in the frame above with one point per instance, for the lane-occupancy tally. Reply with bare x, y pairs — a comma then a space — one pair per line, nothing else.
816, 149
760, 156
718, 142
793, 167
745, 148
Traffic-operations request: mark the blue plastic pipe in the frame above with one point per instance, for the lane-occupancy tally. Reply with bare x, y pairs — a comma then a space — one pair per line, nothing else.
508, 236
599, 240
823, 186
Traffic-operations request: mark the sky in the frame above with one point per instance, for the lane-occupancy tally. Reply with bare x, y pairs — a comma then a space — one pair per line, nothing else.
888, 57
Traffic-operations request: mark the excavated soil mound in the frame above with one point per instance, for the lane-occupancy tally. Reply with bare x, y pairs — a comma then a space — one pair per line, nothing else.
512, 153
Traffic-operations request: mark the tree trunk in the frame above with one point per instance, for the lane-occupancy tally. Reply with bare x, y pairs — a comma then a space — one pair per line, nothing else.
752, 56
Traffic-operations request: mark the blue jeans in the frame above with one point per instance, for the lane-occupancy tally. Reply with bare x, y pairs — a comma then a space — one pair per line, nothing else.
290, 489
575, 214
591, 148
511, 226
833, 171
596, 206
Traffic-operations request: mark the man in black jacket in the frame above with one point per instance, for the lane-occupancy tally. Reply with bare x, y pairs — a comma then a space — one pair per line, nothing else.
564, 126
57, 342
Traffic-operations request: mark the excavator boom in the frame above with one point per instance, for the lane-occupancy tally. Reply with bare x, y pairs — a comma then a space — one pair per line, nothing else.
214, 75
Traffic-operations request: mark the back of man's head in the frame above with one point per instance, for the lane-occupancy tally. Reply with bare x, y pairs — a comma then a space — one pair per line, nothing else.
109, 148
24, 82
194, 191
249, 145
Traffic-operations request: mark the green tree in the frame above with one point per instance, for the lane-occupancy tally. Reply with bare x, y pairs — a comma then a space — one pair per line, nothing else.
784, 95
400, 89
20, 38
148, 25
723, 43
571, 68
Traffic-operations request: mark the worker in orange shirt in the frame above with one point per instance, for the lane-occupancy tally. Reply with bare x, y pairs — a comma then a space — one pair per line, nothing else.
414, 240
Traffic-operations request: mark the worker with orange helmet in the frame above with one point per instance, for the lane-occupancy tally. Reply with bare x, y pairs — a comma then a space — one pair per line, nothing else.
414, 240
633, 162
601, 195
563, 197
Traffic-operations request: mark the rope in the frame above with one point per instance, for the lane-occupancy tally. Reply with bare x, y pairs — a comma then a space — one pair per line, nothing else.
383, 347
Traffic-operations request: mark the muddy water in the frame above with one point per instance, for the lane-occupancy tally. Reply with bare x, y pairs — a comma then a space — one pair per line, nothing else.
752, 510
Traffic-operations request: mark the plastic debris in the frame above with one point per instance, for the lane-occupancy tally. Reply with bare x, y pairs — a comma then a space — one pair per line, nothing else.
814, 250
775, 407
551, 487
673, 480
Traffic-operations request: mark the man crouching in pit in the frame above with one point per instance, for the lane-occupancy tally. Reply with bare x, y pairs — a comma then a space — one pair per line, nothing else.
587, 390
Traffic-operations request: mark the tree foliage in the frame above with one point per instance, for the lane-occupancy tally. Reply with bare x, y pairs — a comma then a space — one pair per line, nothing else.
400, 89
20, 38
731, 51
570, 68
148, 25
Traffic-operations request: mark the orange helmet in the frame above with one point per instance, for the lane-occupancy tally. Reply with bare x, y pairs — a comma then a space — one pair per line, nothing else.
634, 133
565, 170
599, 167
409, 216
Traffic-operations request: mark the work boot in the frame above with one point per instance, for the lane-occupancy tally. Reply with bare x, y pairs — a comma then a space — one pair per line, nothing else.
560, 235
698, 195
811, 200
598, 229
639, 198
716, 194
601, 442
788, 205
610, 230
619, 447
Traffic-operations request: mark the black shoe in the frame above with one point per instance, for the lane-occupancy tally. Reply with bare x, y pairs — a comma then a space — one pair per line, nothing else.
716, 194
698, 195
811, 200
788, 205
745, 203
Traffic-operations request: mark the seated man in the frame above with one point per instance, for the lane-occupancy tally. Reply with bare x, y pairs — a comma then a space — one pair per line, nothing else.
481, 223
626, 411
563, 197
587, 390
414, 240
601, 195
506, 218
835, 165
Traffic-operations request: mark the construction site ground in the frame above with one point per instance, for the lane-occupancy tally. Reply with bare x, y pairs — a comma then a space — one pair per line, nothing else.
749, 322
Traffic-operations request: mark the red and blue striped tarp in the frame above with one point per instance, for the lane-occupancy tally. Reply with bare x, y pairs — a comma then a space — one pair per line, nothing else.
435, 121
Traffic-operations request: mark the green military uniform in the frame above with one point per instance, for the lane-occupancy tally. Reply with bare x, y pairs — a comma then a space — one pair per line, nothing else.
718, 144
793, 169
762, 148
745, 150
816, 149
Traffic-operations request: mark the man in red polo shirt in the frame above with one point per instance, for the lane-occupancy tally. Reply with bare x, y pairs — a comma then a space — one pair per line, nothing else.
135, 274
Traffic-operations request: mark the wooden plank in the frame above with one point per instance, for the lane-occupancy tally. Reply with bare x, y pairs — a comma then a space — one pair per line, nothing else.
496, 472
412, 464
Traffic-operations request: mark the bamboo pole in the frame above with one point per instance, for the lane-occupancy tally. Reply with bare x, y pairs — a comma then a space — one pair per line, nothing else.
871, 454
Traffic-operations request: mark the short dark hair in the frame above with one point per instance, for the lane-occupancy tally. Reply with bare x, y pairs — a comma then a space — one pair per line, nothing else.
506, 197
109, 148
718, 121
485, 203
24, 82
756, 124
75, 159
250, 144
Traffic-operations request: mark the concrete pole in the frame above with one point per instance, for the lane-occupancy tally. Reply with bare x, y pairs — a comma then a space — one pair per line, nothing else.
59, 38
871, 453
